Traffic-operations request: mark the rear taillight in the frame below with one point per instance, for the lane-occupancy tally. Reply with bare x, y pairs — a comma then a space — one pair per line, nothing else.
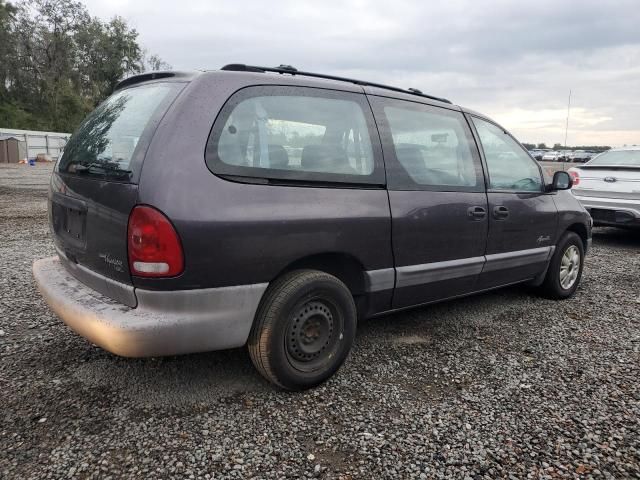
154, 246
575, 176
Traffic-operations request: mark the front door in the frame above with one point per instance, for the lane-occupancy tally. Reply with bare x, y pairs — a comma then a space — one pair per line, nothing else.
437, 199
522, 216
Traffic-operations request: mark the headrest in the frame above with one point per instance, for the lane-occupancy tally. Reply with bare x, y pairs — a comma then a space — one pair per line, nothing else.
278, 156
411, 159
325, 158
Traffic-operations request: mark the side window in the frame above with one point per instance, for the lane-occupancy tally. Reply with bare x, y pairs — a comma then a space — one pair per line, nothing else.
510, 167
433, 148
295, 134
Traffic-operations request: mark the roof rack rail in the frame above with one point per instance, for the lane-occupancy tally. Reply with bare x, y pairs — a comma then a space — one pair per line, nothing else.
288, 69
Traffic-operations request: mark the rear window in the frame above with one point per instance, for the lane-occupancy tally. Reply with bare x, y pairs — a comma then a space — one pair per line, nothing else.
111, 141
624, 158
297, 134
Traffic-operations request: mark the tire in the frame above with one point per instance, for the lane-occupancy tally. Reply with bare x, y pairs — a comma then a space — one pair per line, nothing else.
303, 330
556, 285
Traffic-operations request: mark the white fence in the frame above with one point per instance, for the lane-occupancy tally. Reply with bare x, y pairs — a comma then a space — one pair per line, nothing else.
50, 143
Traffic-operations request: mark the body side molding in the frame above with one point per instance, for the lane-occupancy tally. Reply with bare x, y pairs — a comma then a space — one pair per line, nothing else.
410, 275
502, 261
378, 280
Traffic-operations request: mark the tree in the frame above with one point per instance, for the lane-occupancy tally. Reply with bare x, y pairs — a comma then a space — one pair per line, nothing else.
542, 146
7, 11
529, 146
108, 52
57, 63
153, 63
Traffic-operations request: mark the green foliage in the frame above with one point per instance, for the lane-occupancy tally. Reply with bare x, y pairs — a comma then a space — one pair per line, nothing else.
542, 146
7, 12
16, 117
57, 63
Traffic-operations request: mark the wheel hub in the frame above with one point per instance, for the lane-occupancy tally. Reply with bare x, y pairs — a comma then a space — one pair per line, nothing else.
310, 331
569, 267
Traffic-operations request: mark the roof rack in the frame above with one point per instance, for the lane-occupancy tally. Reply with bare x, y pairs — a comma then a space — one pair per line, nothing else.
288, 69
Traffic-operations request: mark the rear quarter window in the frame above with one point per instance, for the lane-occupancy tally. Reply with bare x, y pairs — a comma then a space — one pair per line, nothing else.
295, 134
111, 142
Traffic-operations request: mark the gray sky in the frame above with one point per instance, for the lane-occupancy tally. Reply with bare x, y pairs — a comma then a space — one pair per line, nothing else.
514, 61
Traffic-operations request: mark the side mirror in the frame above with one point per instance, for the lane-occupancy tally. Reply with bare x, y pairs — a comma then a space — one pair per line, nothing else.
561, 181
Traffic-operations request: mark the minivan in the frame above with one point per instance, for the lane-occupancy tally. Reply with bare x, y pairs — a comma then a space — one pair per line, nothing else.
275, 208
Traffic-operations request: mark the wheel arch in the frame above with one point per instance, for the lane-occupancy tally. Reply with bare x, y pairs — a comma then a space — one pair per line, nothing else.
581, 231
345, 267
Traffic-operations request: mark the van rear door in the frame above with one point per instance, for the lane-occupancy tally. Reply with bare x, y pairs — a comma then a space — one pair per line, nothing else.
94, 186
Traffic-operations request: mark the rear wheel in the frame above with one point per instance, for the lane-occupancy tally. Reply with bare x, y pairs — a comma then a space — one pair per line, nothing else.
304, 329
565, 268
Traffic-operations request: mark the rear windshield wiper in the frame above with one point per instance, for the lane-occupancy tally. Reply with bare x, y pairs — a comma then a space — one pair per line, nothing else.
103, 170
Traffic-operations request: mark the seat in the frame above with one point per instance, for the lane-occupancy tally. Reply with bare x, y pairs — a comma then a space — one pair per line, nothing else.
326, 158
278, 157
410, 157
466, 171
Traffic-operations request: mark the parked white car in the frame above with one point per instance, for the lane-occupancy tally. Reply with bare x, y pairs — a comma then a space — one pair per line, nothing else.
608, 186
551, 156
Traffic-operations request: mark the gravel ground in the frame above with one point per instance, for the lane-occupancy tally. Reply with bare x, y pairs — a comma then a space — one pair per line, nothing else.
502, 385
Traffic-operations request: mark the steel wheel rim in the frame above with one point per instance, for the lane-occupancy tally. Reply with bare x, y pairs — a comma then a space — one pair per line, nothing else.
569, 267
313, 334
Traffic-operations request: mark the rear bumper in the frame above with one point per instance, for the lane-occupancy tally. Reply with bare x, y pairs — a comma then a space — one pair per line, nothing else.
163, 323
611, 211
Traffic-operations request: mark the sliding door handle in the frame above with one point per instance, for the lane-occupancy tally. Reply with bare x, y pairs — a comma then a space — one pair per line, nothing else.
476, 213
500, 212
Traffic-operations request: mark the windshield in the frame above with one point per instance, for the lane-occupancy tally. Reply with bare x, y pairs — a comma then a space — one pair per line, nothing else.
106, 141
630, 158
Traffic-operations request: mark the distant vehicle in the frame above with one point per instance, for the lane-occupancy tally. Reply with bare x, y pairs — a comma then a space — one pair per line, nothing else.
608, 186
551, 156
578, 156
274, 208
537, 154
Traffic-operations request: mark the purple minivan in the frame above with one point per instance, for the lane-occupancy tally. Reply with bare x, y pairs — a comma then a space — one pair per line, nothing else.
274, 208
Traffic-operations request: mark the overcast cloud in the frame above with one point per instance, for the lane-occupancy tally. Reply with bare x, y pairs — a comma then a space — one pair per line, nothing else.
514, 61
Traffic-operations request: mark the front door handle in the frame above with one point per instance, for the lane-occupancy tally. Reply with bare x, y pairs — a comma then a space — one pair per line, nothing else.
476, 213
500, 212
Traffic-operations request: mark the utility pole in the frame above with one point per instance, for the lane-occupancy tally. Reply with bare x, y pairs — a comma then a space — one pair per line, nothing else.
566, 128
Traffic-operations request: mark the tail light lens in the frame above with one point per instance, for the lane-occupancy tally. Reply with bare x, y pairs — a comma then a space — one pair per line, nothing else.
575, 176
154, 246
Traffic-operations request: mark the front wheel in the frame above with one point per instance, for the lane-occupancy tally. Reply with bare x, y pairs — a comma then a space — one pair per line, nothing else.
304, 329
565, 268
